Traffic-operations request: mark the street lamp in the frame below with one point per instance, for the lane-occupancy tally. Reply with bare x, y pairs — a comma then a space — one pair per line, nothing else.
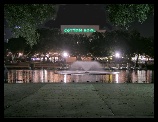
65, 55
117, 55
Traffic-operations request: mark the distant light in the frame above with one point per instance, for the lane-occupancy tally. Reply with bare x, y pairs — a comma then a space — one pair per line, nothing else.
64, 78
47, 55
116, 78
65, 54
20, 54
17, 26
117, 55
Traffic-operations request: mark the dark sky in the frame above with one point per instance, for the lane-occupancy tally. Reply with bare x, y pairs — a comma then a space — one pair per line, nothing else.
80, 14
89, 14
147, 28
94, 14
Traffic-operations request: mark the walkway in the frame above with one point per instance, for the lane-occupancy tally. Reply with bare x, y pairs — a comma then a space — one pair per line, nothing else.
78, 100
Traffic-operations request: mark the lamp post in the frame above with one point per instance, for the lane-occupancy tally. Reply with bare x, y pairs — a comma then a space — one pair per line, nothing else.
117, 55
65, 55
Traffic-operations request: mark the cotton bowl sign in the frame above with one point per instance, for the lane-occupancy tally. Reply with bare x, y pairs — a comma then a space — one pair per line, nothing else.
79, 29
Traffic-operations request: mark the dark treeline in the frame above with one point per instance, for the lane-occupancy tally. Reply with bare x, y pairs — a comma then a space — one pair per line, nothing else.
96, 45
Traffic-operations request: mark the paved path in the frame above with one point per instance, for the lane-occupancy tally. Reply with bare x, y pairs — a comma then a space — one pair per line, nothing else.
79, 100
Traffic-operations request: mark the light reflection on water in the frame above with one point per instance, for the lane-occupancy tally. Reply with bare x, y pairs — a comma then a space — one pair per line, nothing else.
49, 76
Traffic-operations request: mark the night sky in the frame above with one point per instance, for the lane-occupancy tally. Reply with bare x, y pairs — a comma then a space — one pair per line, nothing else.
147, 28
80, 14
94, 14
89, 14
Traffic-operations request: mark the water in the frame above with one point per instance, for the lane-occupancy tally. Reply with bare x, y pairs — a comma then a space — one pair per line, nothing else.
50, 76
90, 71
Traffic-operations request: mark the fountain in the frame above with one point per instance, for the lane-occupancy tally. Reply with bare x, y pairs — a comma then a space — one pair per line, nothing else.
82, 71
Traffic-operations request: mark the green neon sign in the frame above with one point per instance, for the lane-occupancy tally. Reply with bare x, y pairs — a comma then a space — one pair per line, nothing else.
79, 30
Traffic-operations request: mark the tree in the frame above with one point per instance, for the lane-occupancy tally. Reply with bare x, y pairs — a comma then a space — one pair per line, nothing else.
5, 48
148, 46
124, 14
16, 45
136, 44
24, 19
96, 46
